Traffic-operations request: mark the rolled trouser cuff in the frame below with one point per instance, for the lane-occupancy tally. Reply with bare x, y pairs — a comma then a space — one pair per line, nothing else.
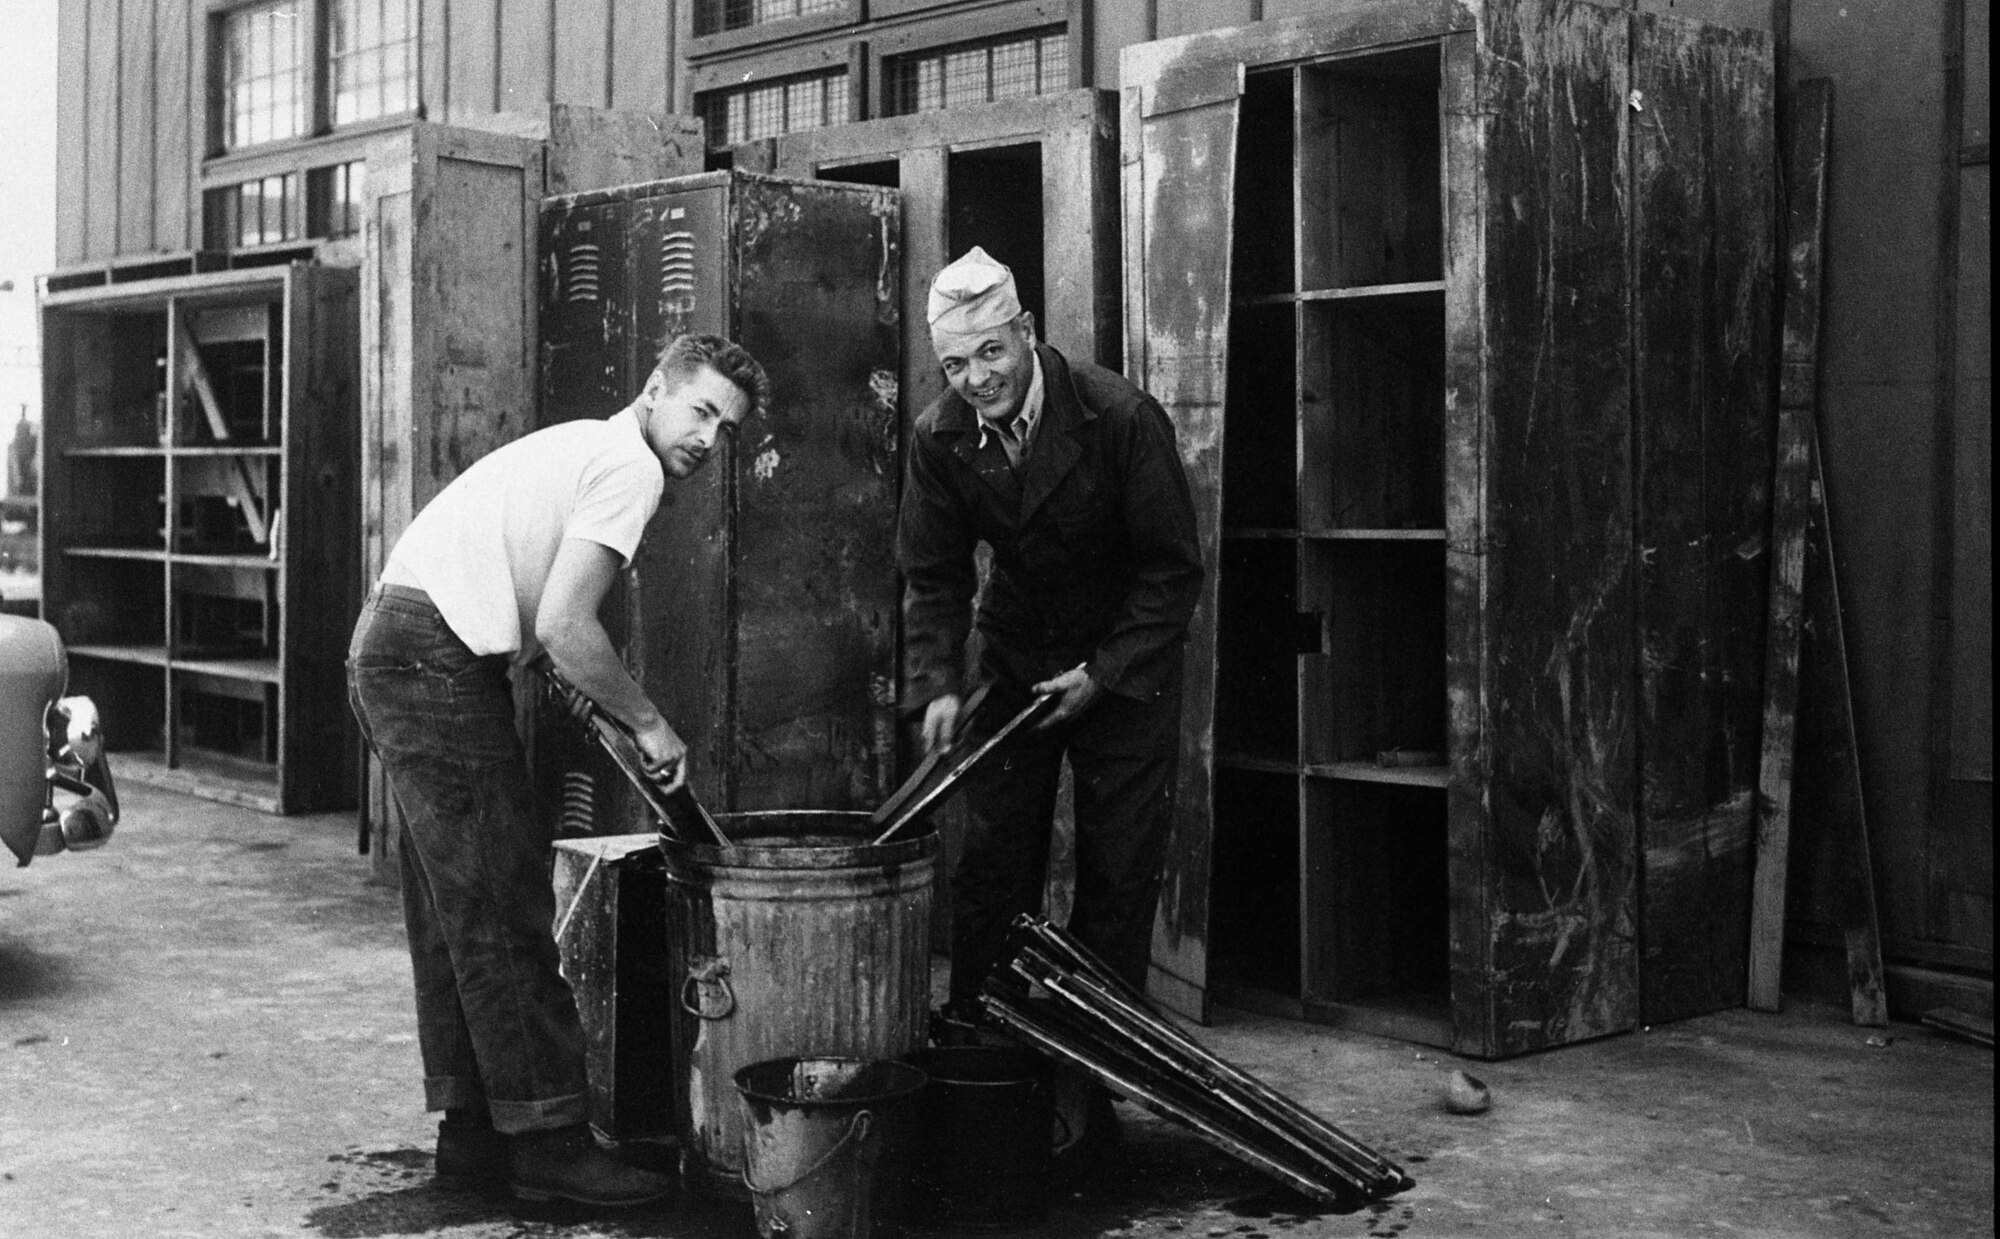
515, 1117
453, 1093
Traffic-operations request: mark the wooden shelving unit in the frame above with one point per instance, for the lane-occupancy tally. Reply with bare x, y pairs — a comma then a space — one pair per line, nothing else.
199, 527
1332, 582
1475, 408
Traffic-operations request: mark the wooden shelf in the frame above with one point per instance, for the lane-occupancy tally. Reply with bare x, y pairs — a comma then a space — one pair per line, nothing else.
261, 670
244, 560
198, 772
1252, 761
1369, 772
149, 655
1372, 535
146, 554
159, 451
274, 451
1243, 534
1411, 289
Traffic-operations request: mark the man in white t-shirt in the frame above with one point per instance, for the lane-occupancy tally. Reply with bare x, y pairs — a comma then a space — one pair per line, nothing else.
512, 557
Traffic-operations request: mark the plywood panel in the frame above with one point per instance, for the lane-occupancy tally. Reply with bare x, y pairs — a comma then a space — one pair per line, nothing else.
1180, 169
1561, 666
582, 44
1972, 495
136, 109
1703, 249
72, 136
173, 121
642, 56
322, 579
101, 152
1882, 410
525, 58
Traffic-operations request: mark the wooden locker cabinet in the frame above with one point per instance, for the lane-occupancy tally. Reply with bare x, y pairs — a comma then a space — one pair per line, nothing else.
760, 613
1477, 410
198, 529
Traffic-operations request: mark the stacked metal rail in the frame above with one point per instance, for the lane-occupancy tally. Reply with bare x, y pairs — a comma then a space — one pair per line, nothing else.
1093, 1019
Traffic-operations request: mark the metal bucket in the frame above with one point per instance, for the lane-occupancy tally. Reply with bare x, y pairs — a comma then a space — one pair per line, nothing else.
827, 1144
804, 940
983, 1137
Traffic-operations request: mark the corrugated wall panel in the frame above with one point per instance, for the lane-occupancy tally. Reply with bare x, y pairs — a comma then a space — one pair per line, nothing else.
72, 158
101, 70
135, 126
525, 59
642, 50
582, 47
174, 115
471, 31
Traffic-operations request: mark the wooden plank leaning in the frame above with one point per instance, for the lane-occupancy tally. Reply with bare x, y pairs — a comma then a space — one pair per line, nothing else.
1806, 167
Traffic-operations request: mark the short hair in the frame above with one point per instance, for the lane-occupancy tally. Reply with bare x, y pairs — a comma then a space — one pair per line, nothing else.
686, 356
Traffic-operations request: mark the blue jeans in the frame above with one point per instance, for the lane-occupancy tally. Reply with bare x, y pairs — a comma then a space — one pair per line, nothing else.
496, 1022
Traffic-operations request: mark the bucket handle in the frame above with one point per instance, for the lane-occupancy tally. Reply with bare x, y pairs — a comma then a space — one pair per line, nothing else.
707, 972
856, 1130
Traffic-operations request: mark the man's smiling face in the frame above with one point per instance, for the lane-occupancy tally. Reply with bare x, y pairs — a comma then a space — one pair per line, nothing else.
990, 369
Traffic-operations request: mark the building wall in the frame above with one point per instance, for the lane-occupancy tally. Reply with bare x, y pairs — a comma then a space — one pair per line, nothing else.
1906, 377
132, 115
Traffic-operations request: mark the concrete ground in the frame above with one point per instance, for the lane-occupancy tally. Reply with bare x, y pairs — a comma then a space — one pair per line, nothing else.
205, 1030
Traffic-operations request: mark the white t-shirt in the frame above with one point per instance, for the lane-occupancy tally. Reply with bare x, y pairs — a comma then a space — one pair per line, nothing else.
482, 549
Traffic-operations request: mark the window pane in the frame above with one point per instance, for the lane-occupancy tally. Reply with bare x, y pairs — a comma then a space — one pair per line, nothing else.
767, 109
1014, 67
261, 73
372, 73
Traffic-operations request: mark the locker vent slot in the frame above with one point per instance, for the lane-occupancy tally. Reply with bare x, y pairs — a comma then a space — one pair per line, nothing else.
584, 260
677, 270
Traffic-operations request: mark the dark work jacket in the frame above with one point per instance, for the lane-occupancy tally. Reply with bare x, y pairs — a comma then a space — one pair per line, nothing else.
1095, 558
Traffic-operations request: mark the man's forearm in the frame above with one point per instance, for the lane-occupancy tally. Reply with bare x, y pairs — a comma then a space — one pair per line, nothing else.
583, 653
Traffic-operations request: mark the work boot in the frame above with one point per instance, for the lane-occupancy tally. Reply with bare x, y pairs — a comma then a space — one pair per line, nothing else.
471, 1156
566, 1164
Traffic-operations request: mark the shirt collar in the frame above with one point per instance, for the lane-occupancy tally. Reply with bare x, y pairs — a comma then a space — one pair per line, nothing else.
1030, 415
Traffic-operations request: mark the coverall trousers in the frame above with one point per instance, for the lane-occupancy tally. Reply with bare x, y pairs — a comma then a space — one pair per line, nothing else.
496, 1023
1123, 755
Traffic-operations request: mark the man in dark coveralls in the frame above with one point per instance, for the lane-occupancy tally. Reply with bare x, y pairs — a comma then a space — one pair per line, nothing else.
1071, 475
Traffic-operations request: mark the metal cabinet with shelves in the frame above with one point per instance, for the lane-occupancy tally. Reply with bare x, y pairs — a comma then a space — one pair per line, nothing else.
1476, 405
198, 530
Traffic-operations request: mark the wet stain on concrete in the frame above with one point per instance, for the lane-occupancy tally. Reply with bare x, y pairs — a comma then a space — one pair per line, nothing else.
28, 975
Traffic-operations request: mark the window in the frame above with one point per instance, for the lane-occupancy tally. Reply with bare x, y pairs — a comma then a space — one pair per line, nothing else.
263, 73
260, 212
716, 16
370, 59
1015, 67
784, 105
335, 191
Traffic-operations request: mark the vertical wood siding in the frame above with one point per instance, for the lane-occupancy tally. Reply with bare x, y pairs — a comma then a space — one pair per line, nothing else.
72, 180
100, 84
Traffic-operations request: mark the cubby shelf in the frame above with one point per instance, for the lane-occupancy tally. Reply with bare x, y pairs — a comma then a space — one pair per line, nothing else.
1363, 292
144, 655
199, 524
1368, 772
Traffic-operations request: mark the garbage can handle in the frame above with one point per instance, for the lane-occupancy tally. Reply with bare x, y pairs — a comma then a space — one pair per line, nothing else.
856, 1130
707, 972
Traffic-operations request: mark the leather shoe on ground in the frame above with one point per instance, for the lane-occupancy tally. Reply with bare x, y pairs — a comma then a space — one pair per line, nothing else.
566, 1164
471, 1156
